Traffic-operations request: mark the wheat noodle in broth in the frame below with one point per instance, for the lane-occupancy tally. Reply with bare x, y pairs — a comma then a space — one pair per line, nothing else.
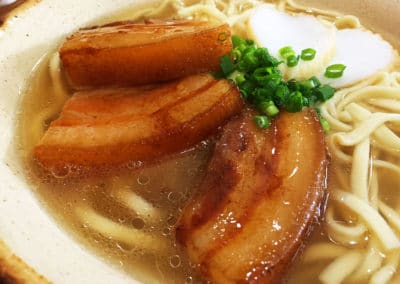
128, 218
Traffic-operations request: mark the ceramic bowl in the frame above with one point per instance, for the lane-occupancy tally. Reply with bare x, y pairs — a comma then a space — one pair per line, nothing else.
25, 226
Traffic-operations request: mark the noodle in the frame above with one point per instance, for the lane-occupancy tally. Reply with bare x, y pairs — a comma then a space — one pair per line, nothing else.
109, 229
371, 218
387, 271
346, 264
323, 251
60, 92
372, 261
360, 168
384, 137
342, 233
391, 215
139, 205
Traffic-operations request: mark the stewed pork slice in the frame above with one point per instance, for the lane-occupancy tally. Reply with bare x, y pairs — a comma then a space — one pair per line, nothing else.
260, 198
127, 54
109, 127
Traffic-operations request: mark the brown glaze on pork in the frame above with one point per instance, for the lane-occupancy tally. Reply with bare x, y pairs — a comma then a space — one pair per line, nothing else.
258, 202
127, 54
109, 127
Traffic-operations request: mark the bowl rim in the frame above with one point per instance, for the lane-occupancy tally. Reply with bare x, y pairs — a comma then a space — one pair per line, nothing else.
18, 37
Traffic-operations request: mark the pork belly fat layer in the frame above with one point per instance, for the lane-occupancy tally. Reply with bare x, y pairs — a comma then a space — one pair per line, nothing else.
127, 54
259, 200
105, 128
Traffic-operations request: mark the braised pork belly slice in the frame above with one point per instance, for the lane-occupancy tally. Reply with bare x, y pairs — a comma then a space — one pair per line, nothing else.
127, 54
105, 128
259, 200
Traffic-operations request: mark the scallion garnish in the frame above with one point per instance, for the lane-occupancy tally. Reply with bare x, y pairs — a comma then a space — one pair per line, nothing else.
227, 66
334, 71
292, 60
294, 102
269, 108
286, 51
255, 71
325, 92
237, 77
262, 121
308, 54
324, 123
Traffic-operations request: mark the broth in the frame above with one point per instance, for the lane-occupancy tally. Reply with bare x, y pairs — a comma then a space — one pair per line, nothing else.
167, 185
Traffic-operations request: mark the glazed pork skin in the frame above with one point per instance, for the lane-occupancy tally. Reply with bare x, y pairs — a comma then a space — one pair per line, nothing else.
106, 128
128, 54
261, 195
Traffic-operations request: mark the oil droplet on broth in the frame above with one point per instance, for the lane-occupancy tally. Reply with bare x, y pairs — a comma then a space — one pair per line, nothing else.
60, 172
175, 261
172, 219
189, 280
192, 172
174, 197
138, 223
134, 164
166, 231
143, 180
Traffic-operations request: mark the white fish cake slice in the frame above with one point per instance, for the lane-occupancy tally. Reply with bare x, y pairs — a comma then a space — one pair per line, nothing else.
274, 29
363, 53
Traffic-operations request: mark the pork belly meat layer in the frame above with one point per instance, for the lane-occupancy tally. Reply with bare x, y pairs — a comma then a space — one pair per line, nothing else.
259, 200
127, 54
109, 127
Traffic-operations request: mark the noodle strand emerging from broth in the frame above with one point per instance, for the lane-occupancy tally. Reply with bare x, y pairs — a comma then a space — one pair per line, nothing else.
137, 239
136, 203
346, 264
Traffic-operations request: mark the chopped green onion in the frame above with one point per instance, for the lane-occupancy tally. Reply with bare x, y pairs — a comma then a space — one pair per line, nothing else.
237, 54
324, 124
227, 66
308, 54
269, 108
292, 60
294, 102
286, 51
308, 84
325, 92
247, 88
237, 40
323, 121
335, 71
249, 42
262, 121
250, 60
255, 71
237, 77
315, 80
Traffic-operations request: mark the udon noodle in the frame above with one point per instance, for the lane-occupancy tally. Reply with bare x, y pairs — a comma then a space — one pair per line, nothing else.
362, 221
